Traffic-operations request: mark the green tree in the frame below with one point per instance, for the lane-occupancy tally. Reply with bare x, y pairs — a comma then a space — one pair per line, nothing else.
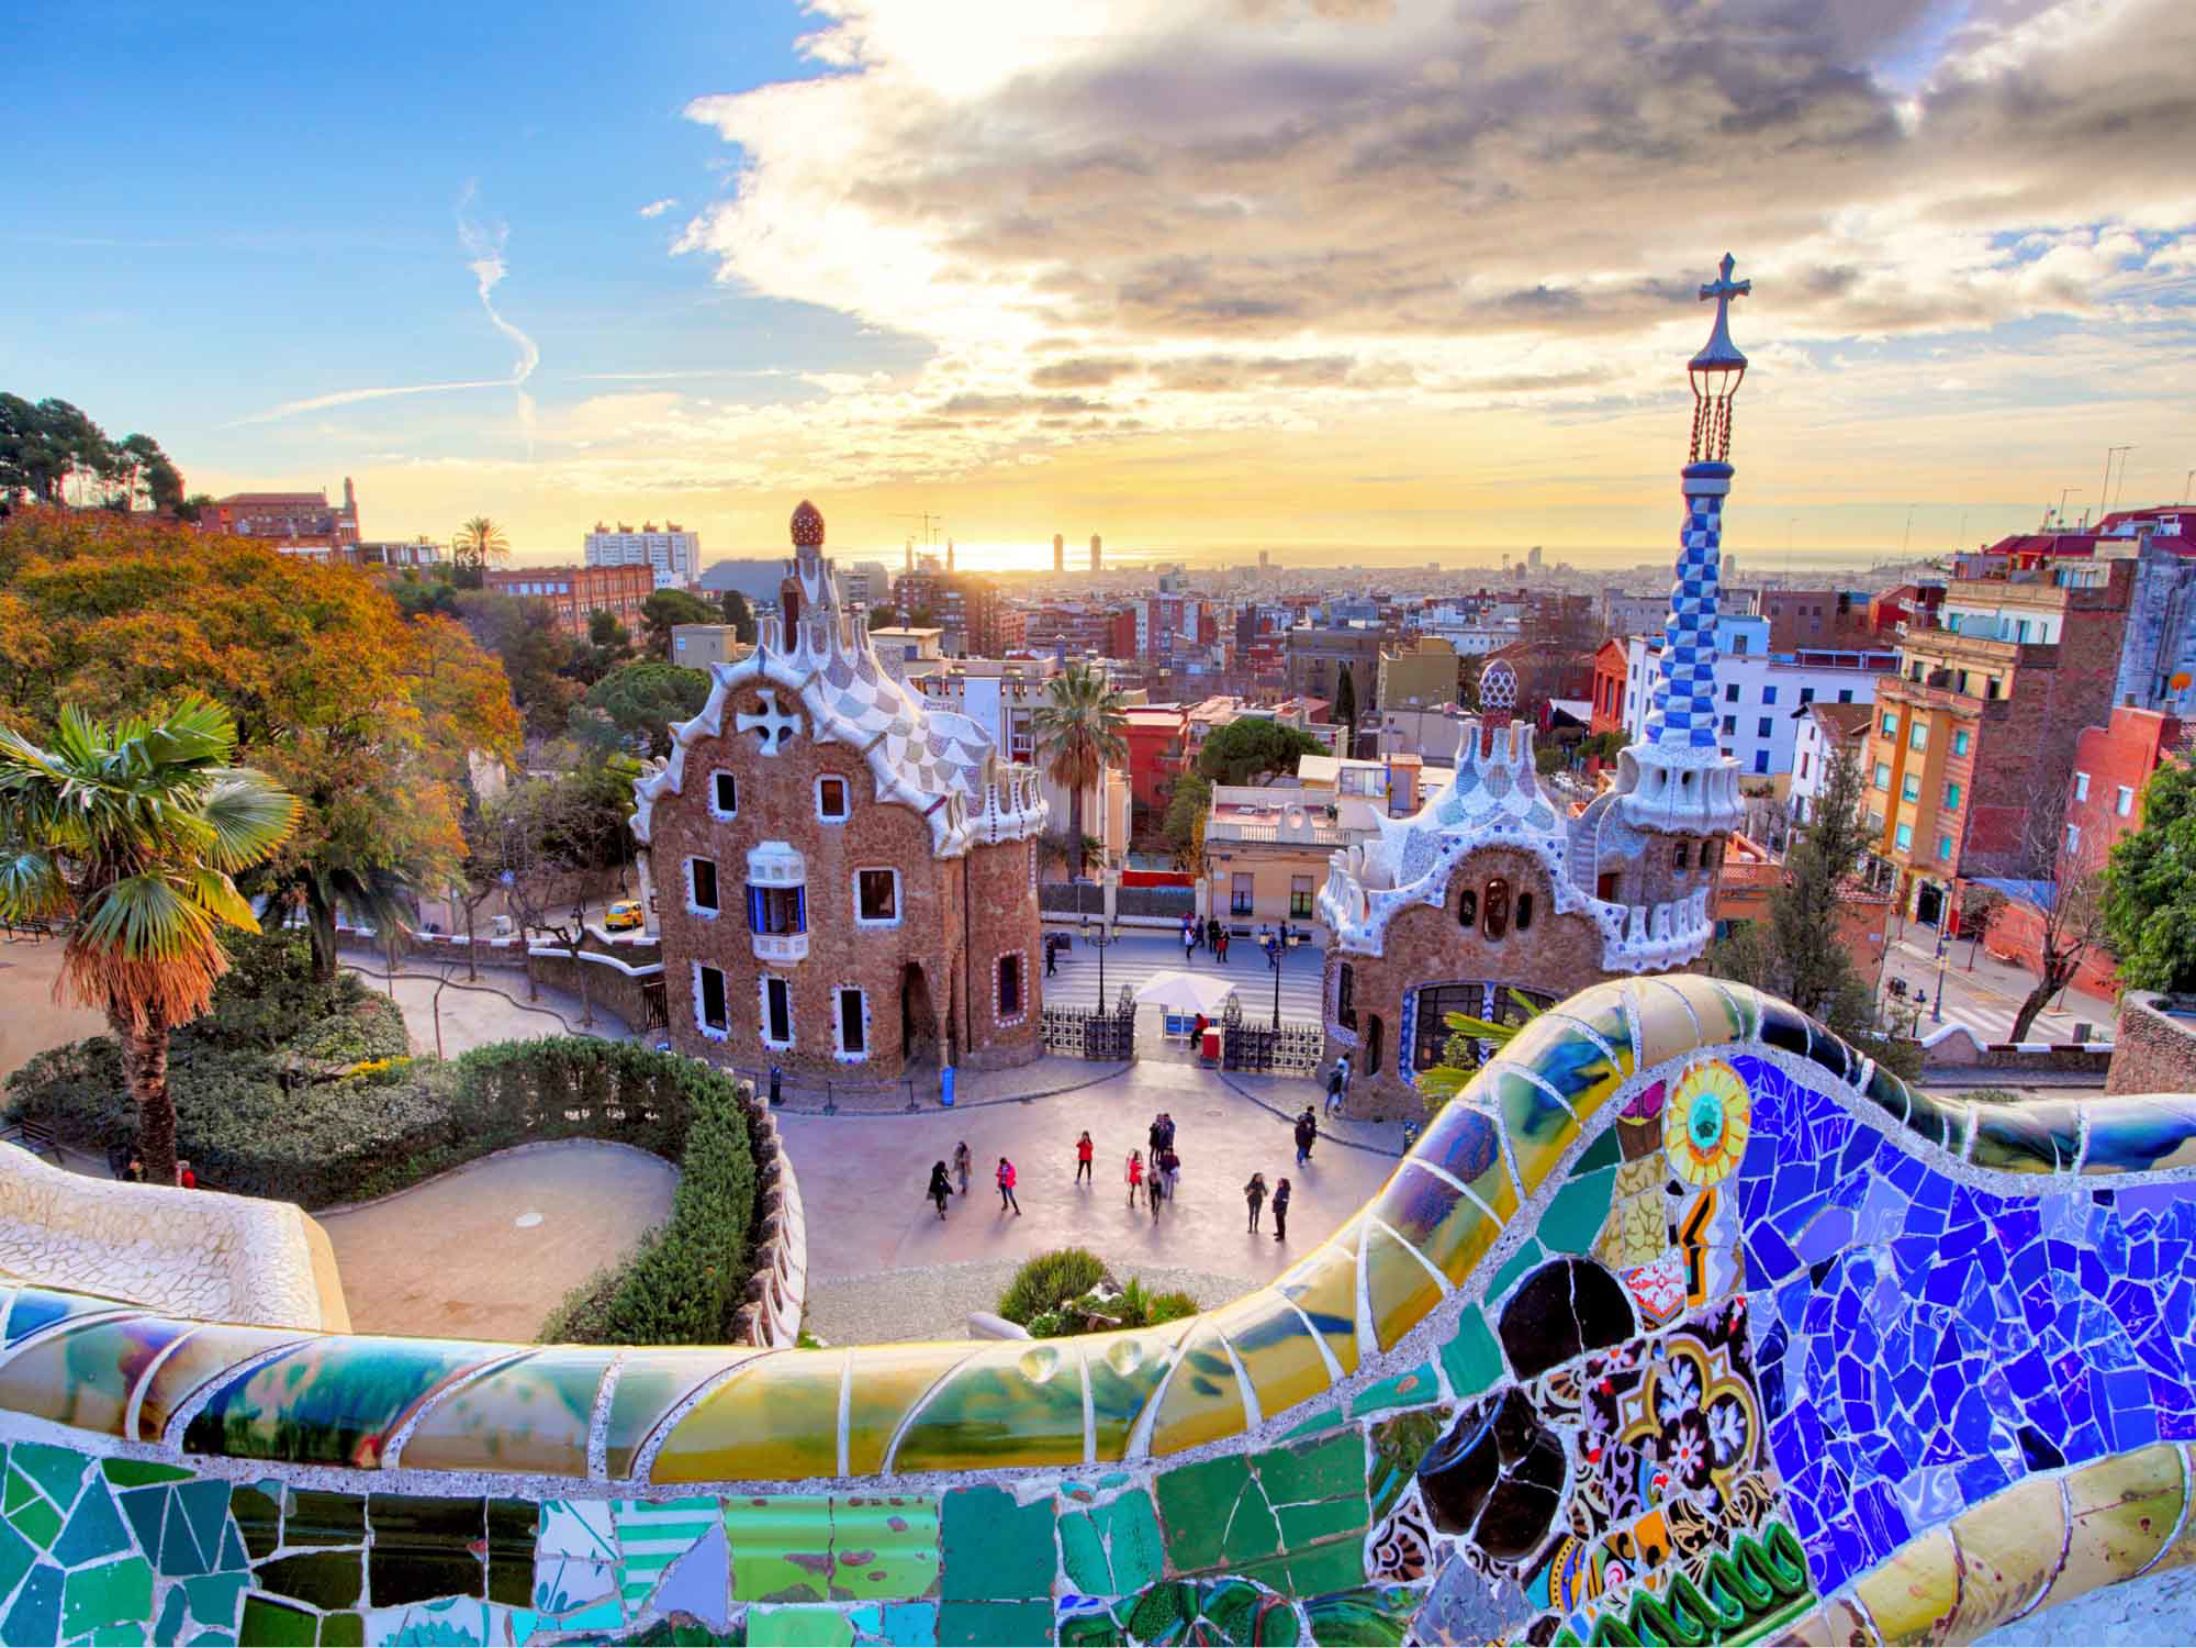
535, 653
1187, 810
1345, 708
1080, 731
46, 446
640, 701
131, 832
740, 616
668, 607
144, 473
2150, 887
1250, 748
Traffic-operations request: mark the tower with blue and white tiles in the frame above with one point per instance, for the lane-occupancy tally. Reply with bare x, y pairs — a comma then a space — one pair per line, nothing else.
1678, 781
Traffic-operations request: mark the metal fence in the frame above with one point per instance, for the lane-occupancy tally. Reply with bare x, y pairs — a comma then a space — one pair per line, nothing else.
1086, 1033
1071, 898
1171, 902
1293, 1049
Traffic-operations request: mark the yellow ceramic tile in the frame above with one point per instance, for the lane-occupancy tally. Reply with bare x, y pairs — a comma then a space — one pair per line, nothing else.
1666, 1026
775, 1419
1400, 1290
530, 1417
1203, 1400
1324, 1287
2009, 1551
82, 1374
651, 1384
1437, 1219
2120, 1512
1279, 1353
1727, 1012
1915, 1595
1539, 1129
1125, 1370
889, 1380
1014, 1403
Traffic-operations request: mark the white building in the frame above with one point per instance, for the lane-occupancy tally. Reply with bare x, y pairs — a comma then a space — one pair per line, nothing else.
1820, 731
673, 552
1757, 690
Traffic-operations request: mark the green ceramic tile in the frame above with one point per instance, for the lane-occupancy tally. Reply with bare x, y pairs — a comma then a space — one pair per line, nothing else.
1082, 1554
424, 1547
896, 1624
270, 1624
215, 1598
16, 1556
883, 1548
781, 1548
1574, 1219
1371, 1616
317, 1518
112, 1593
1603, 1152
811, 1627
994, 1622
652, 1384
139, 1473
343, 1631
1472, 1359
325, 1579
1010, 1404
1334, 1565
1538, 1127
1195, 1504
530, 1418
20, 1492
95, 1529
175, 1617
1113, 1549
37, 1522
1403, 1390
35, 1615
197, 1528
996, 1550
1313, 1470
776, 1419
56, 1472
1523, 1260
511, 1524
1396, 1445
259, 1518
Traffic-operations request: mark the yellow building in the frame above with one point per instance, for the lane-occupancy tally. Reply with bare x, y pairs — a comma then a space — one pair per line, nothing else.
1419, 676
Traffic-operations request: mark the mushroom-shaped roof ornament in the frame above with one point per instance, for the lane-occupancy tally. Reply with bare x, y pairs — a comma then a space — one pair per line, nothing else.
808, 526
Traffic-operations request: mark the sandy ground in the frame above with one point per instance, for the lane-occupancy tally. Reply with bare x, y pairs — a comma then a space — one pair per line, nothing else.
486, 1252
29, 1021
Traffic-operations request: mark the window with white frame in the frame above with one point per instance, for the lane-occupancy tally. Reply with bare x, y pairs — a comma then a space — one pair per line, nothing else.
852, 1024
701, 887
777, 1011
877, 898
1012, 1004
834, 800
724, 795
2123, 803
711, 1011
2081, 786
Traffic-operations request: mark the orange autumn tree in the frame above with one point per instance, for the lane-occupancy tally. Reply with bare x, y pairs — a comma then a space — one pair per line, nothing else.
365, 716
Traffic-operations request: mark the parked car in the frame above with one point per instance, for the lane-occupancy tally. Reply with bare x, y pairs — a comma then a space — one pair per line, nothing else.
624, 916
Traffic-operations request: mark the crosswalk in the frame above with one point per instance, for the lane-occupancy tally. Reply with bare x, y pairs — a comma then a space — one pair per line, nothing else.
1133, 961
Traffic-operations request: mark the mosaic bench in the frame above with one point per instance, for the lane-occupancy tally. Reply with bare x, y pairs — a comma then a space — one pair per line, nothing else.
1684, 1324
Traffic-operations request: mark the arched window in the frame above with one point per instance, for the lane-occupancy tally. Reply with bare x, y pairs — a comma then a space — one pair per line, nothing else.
1711, 854
1467, 908
1684, 853
1524, 911
1494, 910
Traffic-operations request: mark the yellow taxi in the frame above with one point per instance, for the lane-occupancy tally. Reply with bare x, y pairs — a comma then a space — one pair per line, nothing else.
623, 916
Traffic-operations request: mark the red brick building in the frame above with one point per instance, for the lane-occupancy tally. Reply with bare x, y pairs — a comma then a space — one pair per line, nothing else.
576, 592
845, 878
1158, 753
1608, 694
295, 522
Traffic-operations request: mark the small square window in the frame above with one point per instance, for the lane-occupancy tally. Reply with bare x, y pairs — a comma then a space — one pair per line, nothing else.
2081, 786
832, 804
1910, 787
1807, 696
1890, 725
724, 795
1300, 898
1731, 693
2073, 838
702, 884
2123, 804
1952, 794
1917, 736
1904, 836
1944, 849
1845, 695
1768, 695
1765, 728
1962, 742
1761, 761
1730, 726
1881, 778
877, 895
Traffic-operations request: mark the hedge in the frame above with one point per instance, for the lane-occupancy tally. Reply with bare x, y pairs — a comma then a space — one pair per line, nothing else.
396, 1122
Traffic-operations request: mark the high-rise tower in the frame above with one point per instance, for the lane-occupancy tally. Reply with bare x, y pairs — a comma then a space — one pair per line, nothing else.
1094, 552
1059, 553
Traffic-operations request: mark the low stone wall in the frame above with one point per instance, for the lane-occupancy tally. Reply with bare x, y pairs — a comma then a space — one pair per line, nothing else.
1955, 1047
2154, 1048
779, 1292
619, 970
192, 1252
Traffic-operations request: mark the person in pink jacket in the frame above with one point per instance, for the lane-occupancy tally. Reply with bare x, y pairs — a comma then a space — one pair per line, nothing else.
1006, 1188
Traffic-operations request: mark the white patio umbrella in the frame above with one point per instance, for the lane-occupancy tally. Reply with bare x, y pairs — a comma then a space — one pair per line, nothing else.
1186, 992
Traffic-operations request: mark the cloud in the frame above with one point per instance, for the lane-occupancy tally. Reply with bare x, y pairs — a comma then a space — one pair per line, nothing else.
1226, 214
352, 397
484, 257
656, 208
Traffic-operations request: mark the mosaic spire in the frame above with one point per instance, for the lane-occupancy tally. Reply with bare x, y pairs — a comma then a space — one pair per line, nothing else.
1684, 712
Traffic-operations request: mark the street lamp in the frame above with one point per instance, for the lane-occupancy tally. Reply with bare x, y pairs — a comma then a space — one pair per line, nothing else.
1098, 938
1280, 953
1936, 1008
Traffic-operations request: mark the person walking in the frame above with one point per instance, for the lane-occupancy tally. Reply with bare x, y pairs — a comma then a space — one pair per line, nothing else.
1189, 942
1281, 1211
1254, 1193
1135, 1175
1170, 1171
1212, 934
961, 1164
941, 1187
1006, 1188
1157, 1134
1220, 947
1052, 958
1343, 1097
1084, 1149
1307, 1134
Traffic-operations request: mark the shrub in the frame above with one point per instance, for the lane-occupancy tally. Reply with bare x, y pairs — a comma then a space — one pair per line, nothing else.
1049, 1281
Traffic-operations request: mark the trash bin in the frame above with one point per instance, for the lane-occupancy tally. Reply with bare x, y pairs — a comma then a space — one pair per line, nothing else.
1211, 1050
945, 1087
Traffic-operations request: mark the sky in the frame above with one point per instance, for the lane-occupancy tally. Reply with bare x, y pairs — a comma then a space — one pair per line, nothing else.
1349, 280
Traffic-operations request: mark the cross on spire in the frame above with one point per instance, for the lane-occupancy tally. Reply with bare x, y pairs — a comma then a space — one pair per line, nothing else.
1721, 351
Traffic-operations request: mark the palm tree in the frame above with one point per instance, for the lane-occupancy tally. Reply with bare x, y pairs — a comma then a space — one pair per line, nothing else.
1080, 732
480, 543
130, 833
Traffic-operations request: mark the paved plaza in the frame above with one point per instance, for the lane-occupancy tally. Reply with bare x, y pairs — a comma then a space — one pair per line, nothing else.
1135, 956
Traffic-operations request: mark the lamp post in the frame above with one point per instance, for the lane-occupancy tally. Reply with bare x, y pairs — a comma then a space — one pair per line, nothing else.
1098, 938
1944, 913
1280, 953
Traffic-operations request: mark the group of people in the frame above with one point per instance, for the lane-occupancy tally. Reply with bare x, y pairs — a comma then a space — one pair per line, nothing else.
1210, 934
1157, 1177
1255, 1194
942, 1181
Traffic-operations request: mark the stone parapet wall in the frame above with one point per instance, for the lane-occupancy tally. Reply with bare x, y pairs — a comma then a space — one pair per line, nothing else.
2153, 1050
1683, 1322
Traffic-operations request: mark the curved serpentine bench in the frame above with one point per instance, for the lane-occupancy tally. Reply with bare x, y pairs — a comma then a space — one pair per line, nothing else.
1685, 1323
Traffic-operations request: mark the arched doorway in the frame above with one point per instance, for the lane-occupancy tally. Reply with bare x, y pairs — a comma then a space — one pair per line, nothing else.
1375, 1036
918, 1018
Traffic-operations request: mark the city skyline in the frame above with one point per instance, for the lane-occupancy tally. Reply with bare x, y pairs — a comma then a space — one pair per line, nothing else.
1205, 279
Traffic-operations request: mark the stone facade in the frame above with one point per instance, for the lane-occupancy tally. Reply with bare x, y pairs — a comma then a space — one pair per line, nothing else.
844, 879
2154, 1048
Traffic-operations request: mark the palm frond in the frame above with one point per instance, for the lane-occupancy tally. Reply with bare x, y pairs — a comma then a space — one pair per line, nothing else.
31, 886
247, 816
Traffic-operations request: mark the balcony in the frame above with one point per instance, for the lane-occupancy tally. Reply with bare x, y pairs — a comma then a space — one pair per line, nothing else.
778, 947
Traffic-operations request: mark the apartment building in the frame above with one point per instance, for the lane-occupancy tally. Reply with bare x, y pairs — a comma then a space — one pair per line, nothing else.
575, 593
